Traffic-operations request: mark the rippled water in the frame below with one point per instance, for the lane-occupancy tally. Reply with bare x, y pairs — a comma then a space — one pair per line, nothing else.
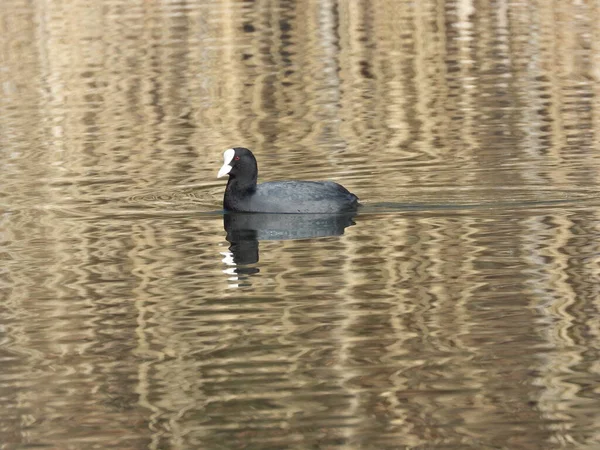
459, 309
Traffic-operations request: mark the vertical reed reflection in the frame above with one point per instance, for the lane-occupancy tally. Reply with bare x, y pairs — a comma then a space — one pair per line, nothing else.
567, 298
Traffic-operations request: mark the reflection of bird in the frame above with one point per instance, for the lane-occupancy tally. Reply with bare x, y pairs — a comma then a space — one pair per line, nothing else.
262, 227
244, 230
243, 194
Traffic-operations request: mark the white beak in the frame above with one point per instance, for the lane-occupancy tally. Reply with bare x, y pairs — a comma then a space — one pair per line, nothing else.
227, 158
224, 170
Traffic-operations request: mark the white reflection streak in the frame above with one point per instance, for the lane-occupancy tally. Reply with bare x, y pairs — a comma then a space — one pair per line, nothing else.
228, 260
465, 10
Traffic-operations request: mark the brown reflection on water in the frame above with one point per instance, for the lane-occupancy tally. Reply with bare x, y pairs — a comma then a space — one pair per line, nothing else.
466, 321
452, 328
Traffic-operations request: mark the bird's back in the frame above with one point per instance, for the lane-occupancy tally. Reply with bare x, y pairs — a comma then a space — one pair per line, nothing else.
299, 197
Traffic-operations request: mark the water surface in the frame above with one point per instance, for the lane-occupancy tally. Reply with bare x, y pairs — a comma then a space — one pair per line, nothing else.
457, 310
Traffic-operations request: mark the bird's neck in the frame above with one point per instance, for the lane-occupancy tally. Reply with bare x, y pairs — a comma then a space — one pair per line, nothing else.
245, 184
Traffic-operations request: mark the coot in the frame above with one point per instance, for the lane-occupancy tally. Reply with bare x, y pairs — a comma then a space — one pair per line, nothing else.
244, 195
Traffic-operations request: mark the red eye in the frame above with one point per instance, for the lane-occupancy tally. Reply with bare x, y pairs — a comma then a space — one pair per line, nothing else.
237, 158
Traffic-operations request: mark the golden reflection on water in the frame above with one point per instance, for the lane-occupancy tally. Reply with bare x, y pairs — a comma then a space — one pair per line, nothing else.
460, 308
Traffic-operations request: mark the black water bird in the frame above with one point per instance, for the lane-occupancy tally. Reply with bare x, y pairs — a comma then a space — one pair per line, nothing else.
243, 194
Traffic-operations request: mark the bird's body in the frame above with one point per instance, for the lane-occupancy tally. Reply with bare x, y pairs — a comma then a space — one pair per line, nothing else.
243, 194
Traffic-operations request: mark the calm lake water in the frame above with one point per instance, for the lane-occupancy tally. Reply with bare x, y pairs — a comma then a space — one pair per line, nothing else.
459, 309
